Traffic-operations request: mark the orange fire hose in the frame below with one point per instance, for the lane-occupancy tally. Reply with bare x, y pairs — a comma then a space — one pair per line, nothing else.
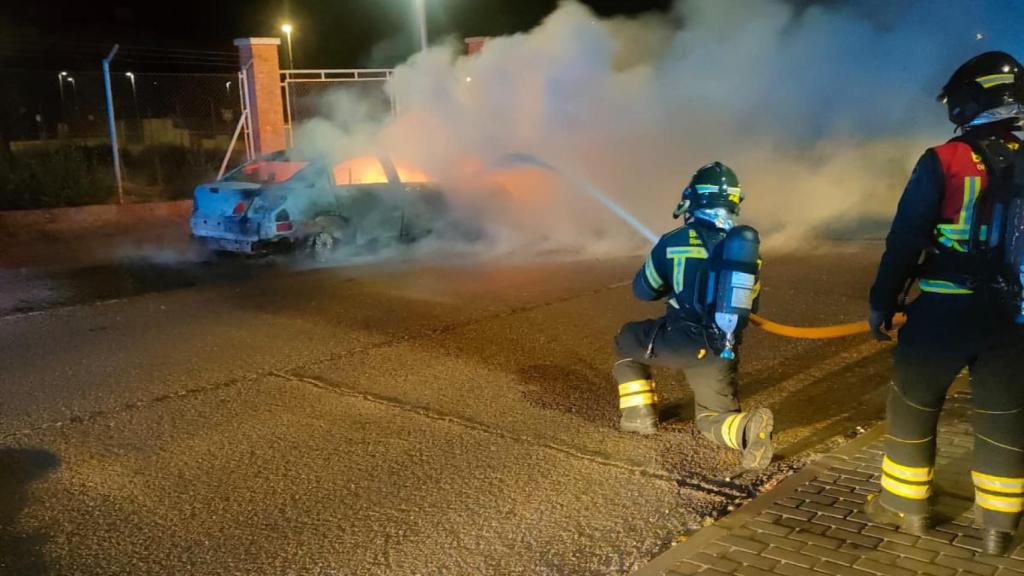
818, 332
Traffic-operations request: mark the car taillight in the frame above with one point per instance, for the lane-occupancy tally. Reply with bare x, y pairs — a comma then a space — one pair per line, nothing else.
282, 218
240, 208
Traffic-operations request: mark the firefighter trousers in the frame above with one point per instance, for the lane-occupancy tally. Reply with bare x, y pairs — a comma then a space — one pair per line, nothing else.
679, 346
944, 335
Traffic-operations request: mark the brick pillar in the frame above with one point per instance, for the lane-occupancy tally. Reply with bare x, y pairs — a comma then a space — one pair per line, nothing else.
259, 58
475, 43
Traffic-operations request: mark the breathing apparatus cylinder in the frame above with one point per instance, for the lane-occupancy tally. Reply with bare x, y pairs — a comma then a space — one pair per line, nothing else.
1013, 246
1002, 252
733, 281
1006, 233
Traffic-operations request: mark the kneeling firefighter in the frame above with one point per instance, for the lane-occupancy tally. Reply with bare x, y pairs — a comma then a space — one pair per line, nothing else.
963, 210
708, 269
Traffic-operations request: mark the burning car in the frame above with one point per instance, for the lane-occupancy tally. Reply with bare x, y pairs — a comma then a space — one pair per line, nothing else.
280, 202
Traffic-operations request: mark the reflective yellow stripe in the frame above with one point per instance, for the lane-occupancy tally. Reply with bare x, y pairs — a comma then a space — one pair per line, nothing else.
950, 243
943, 287
634, 386
679, 255
904, 490
652, 275
728, 430
994, 80
998, 483
1011, 505
638, 400
953, 232
908, 473
948, 234
735, 431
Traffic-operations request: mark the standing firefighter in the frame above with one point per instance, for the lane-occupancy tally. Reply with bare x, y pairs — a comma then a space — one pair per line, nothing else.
962, 210
708, 270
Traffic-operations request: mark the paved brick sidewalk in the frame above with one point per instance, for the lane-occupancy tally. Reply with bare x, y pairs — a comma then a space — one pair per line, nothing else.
811, 523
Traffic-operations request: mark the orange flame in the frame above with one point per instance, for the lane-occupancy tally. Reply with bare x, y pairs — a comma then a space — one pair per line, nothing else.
369, 170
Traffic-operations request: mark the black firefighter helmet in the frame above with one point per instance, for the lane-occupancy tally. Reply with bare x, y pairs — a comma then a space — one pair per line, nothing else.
986, 88
715, 185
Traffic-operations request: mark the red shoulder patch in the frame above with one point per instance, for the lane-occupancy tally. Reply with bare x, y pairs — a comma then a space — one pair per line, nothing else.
956, 157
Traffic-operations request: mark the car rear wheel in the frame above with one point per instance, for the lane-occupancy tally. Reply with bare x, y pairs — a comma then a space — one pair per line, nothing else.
322, 245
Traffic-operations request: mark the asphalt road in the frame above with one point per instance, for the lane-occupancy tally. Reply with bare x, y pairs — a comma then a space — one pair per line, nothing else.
243, 417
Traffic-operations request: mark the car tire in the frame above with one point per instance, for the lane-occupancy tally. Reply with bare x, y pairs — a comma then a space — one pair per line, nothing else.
322, 246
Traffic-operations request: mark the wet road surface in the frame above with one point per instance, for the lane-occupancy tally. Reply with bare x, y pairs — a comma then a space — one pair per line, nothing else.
242, 417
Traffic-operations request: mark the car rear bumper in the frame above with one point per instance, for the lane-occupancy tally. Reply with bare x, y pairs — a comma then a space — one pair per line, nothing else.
231, 235
229, 244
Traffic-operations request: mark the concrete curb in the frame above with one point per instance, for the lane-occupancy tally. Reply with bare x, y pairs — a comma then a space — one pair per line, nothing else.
27, 222
696, 543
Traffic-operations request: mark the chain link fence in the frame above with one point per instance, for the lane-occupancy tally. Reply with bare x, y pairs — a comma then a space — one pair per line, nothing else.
54, 142
173, 130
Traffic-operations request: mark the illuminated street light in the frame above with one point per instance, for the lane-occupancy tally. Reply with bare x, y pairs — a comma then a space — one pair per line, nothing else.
135, 102
287, 29
131, 77
60, 83
227, 87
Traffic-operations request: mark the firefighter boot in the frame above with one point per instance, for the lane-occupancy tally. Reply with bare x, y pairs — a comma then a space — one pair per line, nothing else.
757, 439
879, 513
996, 542
640, 419
638, 400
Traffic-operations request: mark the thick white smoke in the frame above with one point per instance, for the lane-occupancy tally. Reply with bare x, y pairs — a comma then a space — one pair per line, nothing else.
821, 110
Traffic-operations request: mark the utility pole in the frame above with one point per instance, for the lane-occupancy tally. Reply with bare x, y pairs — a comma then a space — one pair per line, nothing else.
113, 123
421, 20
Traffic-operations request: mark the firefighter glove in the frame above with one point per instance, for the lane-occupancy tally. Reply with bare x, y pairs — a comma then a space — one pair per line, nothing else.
880, 323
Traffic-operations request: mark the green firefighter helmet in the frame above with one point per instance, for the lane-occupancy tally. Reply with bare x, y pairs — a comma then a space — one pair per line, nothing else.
715, 185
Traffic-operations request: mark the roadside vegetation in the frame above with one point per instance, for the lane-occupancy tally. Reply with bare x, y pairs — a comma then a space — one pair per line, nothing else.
78, 174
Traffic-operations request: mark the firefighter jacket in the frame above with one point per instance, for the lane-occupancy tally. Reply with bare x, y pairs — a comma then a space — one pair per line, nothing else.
678, 269
936, 217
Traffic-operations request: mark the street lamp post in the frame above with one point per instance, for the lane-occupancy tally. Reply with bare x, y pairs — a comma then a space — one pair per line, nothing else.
60, 83
135, 103
131, 76
421, 21
287, 29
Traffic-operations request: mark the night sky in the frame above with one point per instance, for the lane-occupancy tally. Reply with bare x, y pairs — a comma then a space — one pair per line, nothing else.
74, 34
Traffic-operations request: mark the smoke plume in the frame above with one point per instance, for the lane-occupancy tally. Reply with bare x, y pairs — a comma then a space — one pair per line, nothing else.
822, 111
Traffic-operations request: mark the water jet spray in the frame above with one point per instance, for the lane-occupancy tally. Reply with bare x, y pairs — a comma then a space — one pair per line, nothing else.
810, 333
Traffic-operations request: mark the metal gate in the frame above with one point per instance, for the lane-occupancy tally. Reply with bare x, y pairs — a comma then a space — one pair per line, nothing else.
244, 126
304, 92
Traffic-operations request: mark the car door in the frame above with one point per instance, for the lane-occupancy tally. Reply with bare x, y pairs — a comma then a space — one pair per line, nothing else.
367, 200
